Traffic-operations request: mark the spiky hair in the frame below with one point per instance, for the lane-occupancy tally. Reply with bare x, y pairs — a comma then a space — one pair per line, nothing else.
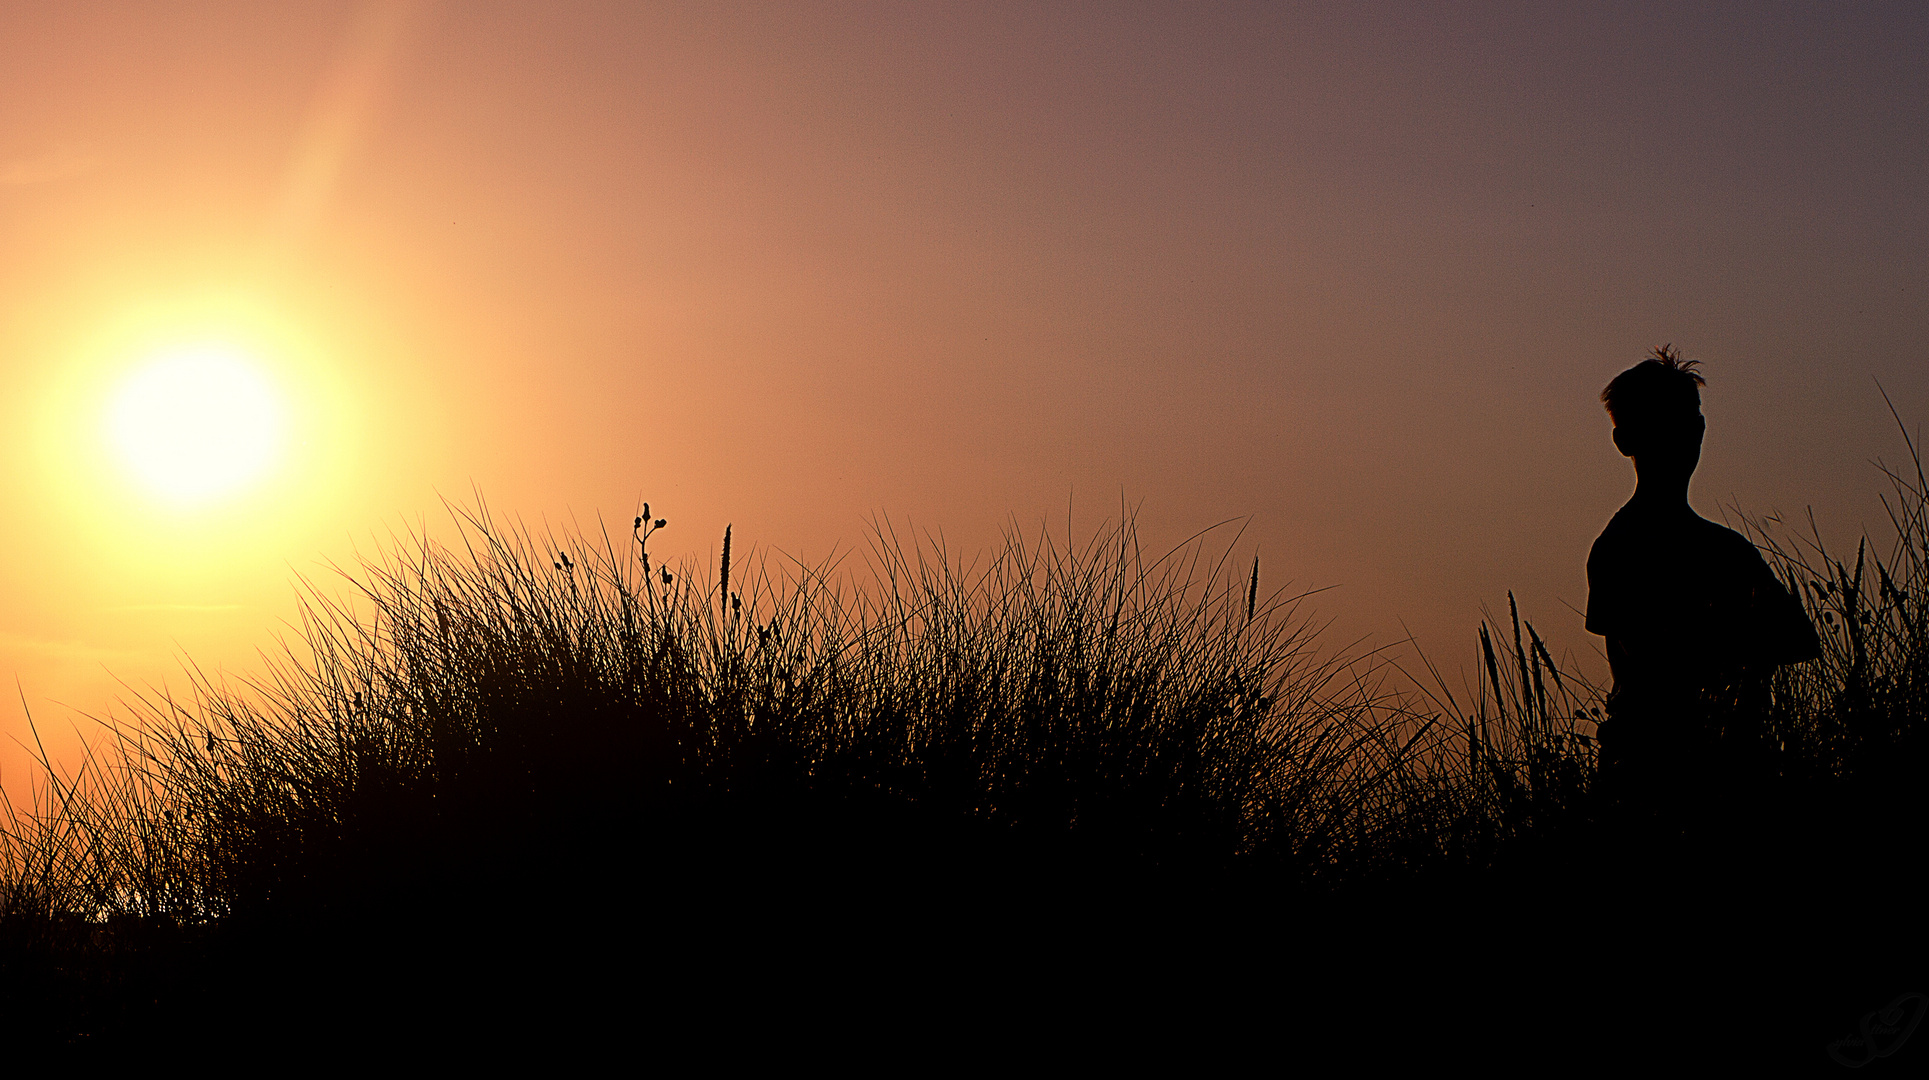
1662, 385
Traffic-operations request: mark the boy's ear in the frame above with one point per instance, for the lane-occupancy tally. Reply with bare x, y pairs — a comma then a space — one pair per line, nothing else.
1624, 441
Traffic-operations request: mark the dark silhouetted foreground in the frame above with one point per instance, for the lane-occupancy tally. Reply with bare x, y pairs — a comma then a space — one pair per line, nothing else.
548, 794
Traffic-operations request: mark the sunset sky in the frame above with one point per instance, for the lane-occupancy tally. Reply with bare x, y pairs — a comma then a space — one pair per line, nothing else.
1352, 275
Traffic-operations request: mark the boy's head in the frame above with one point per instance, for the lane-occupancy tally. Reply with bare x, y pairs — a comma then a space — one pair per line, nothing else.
1656, 408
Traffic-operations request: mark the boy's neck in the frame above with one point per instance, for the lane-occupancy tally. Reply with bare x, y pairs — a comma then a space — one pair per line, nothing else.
1661, 493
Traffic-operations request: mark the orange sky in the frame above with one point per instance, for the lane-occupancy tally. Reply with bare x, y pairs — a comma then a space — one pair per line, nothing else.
1355, 275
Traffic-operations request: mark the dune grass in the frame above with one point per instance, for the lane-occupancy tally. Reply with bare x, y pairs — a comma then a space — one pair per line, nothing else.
1092, 703
1862, 709
1089, 706
532, 723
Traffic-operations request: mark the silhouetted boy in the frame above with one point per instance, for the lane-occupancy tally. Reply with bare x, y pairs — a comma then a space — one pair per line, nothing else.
1693, 617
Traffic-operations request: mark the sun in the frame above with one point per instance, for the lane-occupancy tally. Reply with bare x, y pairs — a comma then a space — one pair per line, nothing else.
194, 423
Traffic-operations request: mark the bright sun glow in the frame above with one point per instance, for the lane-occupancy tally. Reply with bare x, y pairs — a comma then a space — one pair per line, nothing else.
197, 422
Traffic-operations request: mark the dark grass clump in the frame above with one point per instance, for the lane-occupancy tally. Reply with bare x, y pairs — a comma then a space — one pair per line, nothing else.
481, 746
1862, 709
1508, 770
1850, 730
521, 715
1054, 705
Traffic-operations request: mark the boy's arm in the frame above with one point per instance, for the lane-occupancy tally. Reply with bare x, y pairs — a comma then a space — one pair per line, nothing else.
1607, 616
1602, 615
1784, 634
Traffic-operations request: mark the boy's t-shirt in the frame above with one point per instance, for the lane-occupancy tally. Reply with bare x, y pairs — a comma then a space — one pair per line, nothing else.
1685, 604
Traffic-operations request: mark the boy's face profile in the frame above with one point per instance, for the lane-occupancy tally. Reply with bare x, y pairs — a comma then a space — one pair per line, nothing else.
1662, 442
1656, 408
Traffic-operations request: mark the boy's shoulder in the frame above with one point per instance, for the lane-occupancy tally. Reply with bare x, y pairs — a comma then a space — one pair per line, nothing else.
1635, 530
1648, 562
